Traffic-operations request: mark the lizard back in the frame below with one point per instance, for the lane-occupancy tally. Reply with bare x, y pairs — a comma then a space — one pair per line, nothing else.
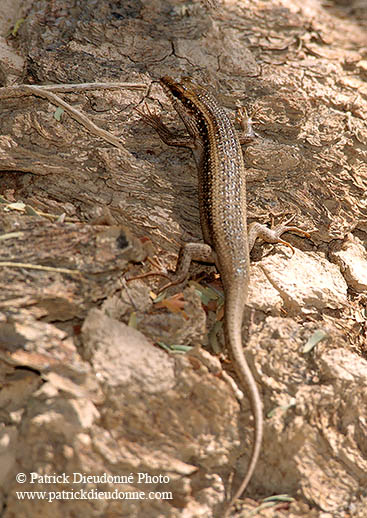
221, 176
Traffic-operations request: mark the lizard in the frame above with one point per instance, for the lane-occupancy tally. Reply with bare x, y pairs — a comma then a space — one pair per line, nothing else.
216, 147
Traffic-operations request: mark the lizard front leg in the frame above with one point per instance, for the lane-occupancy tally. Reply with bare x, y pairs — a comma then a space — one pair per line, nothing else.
171, 139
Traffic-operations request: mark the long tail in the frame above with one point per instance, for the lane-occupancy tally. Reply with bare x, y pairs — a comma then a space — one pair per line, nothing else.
235, 301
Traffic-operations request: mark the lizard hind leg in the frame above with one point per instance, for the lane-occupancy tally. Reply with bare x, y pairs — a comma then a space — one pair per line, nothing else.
189, 252
273, 235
